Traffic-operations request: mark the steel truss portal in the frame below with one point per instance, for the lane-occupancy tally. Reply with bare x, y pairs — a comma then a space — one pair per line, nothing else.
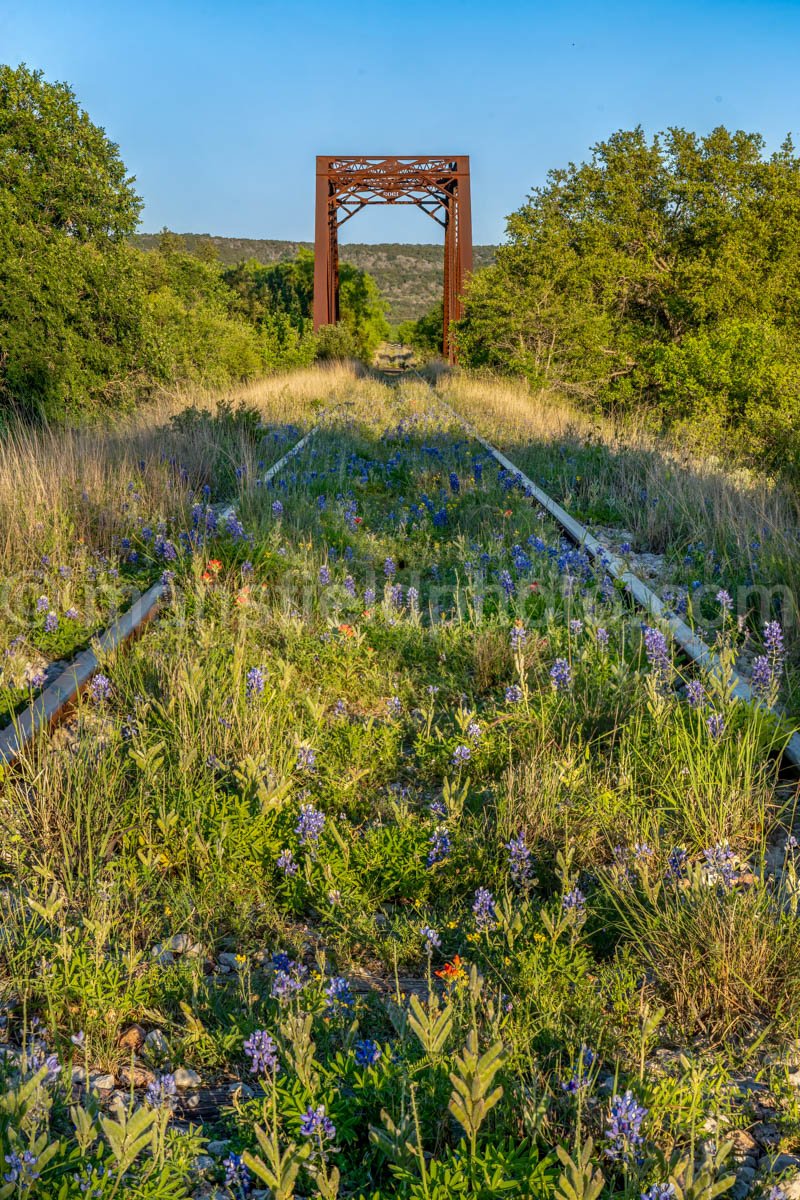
437, 185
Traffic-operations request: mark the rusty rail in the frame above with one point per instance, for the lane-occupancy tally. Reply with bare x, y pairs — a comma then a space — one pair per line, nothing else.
693, 646
54, 701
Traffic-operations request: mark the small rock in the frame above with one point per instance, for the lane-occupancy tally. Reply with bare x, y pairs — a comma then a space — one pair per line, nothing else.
204, 1162
234, 962
186, 1078
744, 1143
178, 943
747, 1174
101, 1083
139, 1077
766, 1134
156, 1043
132, 1038
218, 1147
194, 950
780, 1163
164, 957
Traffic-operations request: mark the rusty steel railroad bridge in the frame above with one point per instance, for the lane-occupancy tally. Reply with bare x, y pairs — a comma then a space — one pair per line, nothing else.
438, 184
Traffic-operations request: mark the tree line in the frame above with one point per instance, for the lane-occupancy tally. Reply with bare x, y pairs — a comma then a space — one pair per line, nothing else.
662, 278
88, 320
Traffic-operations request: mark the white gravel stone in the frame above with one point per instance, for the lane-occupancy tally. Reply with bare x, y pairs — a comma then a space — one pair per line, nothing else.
186, 1078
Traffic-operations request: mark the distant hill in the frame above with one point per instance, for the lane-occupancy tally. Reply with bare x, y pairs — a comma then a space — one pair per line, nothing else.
409, 275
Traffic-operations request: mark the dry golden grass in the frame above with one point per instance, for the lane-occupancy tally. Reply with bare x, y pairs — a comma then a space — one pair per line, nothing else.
698, 499
45, 472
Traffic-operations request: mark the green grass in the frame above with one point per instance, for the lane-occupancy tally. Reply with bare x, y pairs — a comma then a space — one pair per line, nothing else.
297, 760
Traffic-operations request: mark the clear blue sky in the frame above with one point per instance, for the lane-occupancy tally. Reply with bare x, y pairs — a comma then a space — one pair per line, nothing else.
220, 107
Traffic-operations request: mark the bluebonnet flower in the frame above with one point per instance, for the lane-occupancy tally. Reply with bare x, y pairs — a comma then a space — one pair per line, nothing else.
277, 508
349, 585
437, 807
162, 1092
315, 1124
234, 527
286, 863
339, 995
167, 577
42, 604
676, 863
720, 864
324, 575
507, 583
574, 901
254, 684
72, 614
601, 637
624, 1127
483, 909
576, 1083
262, 1051
369, 596
306, 759
695, 693
389, 568
724, 600
513, 694
310, 824
773, 640
576, 627
455, 483
474, 731
440, 846
561, 675
340, 708
51, 622
289, 981
100, 688
657, 652
413, 598
716, 725
461, 755
21, 1170
165, 549
431, 939
396, 595
659, 1191
367, 1052
518, 636
394, 706
763, 676
642, 851
237, 1176
519, 859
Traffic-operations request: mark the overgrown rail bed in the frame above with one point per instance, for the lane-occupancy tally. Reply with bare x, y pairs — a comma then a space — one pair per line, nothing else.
390, 738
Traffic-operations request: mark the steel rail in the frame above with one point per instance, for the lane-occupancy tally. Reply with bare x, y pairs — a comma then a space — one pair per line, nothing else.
46, 709
692, 645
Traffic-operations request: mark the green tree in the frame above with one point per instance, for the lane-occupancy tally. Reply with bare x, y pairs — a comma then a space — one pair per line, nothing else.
663, 272
61, 170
